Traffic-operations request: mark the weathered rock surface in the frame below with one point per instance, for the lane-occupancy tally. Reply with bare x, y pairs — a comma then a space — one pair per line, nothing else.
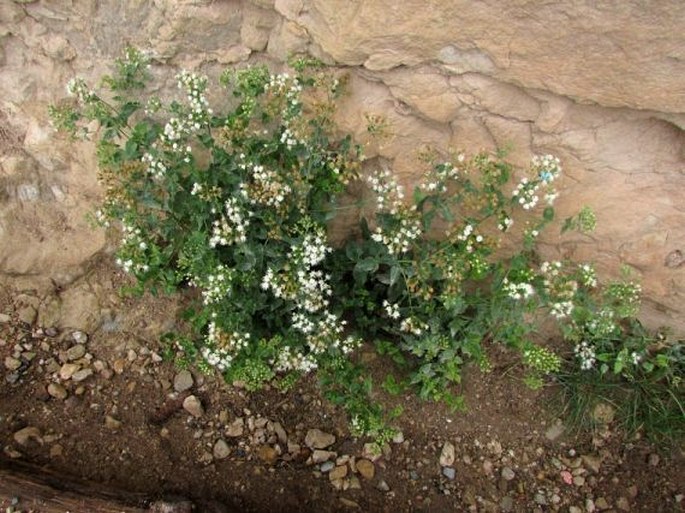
601, 88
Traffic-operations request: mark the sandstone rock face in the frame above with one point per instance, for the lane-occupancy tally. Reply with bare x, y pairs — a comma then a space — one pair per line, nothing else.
600, 86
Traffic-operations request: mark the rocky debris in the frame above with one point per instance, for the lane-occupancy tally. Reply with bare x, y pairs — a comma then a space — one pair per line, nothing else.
183, 381
603, 413
317, 439
221, 450
57, 391
338, 472
593, 462
555, 431
75, 352
68, 370
79, 337
508, 474
25, 435
12, 363
172, 507
449, 472
366, 468
236, 428
193, 405
319, 456
447, 455
82, 375
112, 423
383, 486
267, 454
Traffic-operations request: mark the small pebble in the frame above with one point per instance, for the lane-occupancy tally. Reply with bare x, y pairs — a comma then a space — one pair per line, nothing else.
449, 472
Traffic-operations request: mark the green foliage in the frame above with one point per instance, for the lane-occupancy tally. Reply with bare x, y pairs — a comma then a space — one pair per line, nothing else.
234, 204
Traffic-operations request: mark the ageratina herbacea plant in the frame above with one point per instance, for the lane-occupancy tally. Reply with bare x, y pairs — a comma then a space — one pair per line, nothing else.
232, 203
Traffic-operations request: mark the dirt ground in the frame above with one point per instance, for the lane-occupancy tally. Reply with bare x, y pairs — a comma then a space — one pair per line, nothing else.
100, 402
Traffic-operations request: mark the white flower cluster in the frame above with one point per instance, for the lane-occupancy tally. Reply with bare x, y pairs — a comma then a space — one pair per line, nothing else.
560, 288
602, 324
402, 239
470, 238
152, 105
221, 347
289, 360
561, 309
284, 84
289, 139
586, 354
101, 219
392, 309
310, 290
267, 187
440, 174
155, 166
389, 194
505, 223
77, 87
526, 193
307, 286
588, 276
216, 286
518, 291
413, 326
195, 85
547, 167
313, 249
133, 244
231, 227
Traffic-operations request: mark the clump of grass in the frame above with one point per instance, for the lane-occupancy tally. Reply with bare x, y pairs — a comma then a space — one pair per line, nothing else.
645, 403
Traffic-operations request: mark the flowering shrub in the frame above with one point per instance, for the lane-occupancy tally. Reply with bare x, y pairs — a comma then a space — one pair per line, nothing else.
233, 205
233, 201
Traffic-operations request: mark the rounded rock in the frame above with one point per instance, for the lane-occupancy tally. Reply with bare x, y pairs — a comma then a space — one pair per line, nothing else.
57, 391
193, 405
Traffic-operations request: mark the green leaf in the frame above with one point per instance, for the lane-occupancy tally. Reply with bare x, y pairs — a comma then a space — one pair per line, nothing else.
367, 265
548, 214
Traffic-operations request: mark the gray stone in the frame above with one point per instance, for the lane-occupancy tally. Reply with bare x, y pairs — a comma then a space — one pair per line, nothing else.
183, 381
327, 466
317, 439
76, 352
383, 486
508, 474
506, 504
82, 375
79, 337
449, 472
540, 499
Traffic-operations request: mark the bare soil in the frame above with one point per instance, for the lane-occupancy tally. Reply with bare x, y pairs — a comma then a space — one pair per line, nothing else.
125, 426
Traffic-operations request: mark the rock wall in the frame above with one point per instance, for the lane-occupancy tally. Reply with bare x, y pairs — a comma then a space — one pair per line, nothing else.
599, 84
